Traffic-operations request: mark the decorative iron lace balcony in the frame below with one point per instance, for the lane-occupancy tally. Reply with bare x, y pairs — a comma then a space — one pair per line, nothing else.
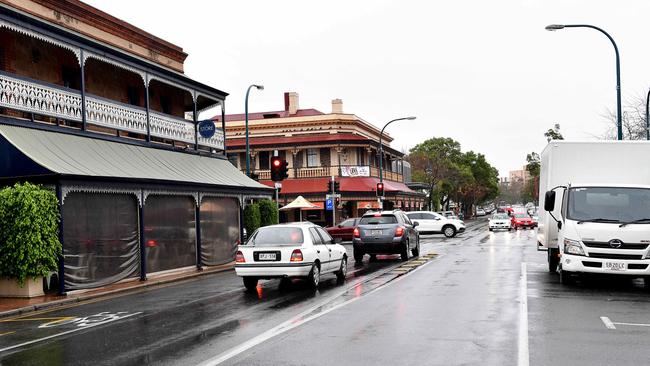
51, 100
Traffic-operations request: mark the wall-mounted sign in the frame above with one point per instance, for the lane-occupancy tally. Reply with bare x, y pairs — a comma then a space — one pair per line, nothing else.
207, 129
355, 171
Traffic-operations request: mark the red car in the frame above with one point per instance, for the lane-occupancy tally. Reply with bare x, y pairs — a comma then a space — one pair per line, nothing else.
343, 230
521, 220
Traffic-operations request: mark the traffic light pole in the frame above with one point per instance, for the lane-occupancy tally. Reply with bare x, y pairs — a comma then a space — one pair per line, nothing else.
333, 202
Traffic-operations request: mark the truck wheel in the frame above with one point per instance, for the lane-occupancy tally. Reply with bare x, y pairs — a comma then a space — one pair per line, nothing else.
358, 256
553, 259
565, 277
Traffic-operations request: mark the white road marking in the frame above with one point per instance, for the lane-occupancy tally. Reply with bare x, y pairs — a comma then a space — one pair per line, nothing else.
297, 321
64, 333
523, 356
608, 323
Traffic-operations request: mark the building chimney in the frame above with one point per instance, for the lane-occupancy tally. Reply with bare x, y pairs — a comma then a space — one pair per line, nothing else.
291, 102
337, 106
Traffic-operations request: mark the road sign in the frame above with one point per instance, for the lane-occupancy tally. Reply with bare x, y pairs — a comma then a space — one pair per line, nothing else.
207, 129
278, 185
329, 196
329, 204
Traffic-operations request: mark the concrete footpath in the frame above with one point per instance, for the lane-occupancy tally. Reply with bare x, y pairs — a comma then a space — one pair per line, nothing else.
17, 306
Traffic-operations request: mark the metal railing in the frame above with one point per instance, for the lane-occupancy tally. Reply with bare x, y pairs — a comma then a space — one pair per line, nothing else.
51, 100
328, 171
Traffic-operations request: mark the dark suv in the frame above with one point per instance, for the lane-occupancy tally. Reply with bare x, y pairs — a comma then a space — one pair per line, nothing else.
385, 232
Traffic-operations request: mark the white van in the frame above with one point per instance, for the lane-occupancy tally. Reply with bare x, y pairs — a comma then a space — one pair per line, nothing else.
433, 223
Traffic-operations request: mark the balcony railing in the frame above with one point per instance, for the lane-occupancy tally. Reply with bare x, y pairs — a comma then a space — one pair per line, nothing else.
328, 171
41, 98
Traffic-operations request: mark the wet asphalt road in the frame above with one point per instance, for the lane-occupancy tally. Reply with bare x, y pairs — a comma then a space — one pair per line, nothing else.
461, 307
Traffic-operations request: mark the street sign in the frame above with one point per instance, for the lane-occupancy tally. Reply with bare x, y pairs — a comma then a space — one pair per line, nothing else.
207, 129
278, 185
329, 204
329, 196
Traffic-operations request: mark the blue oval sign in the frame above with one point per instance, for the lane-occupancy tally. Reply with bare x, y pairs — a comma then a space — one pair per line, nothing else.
206, 129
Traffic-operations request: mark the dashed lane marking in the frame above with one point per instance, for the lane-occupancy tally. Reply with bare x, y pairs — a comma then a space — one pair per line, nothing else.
523, 355
608, 323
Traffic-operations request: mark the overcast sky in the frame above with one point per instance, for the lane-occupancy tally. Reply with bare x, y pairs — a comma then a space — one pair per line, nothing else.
485, 73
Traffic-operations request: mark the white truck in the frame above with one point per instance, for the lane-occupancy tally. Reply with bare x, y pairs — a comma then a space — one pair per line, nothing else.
596, 208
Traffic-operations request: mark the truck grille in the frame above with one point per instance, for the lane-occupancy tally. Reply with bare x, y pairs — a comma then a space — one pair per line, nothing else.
615, 256
600, 244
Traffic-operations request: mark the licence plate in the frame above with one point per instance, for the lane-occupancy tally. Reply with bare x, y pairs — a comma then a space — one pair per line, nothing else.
615, 266
375, 232
267, 256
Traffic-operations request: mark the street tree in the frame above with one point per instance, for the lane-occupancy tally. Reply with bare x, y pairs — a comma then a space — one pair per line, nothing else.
633, 120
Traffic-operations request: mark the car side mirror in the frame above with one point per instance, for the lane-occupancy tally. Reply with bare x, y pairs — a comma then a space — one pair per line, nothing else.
549, 201
415, 224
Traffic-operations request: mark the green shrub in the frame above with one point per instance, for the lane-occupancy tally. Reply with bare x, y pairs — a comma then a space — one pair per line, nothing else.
252, 218
29, 224
268, 212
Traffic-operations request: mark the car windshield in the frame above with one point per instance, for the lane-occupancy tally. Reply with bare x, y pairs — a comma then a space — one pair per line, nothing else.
521, 216
271, 236
614, 204
500, 217
378, 219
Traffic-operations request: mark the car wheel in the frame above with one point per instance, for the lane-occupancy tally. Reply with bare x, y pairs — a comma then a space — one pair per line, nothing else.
509, 229
565, 277
405, 251
358, 256
449, 231
250, 283
314, 276
343, 270
491, 229
416, 250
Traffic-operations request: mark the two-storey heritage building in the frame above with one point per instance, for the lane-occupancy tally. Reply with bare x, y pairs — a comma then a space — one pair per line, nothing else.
319, 146
101, 112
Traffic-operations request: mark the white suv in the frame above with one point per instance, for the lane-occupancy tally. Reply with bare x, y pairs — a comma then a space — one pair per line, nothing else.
433, 223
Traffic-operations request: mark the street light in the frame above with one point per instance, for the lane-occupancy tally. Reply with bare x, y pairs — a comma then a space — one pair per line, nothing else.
381, 147
647, 122
248, 155
619, 120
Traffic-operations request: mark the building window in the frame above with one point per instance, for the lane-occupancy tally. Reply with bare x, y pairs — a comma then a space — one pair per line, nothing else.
361, 156
312, 158
264, 160
233, 158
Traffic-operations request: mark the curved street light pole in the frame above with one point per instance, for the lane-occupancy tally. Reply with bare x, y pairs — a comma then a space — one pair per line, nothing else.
647, 122
619, 113
381, 146
248, 155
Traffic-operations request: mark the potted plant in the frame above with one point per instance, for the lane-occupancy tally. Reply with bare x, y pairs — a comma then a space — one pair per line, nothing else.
29, 241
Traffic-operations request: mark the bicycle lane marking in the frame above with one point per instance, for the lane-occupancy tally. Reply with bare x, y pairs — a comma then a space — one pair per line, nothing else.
80, 323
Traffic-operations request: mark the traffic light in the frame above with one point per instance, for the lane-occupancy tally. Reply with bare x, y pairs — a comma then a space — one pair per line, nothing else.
278, 169
380, 189
337, 187
285, 169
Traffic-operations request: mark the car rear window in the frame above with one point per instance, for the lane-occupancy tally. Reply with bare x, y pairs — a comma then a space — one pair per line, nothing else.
271, 236
376, 220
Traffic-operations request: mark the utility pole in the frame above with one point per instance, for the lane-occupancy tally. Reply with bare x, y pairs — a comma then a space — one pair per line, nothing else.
333, 201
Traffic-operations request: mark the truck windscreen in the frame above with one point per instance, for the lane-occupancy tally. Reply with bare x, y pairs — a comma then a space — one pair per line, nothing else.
609, 204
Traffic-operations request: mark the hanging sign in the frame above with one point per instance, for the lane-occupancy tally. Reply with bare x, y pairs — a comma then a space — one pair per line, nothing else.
207, 128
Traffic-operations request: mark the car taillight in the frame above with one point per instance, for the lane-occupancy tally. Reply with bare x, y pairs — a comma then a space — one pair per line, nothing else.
296, 256
399, 231
239, 257
356, 233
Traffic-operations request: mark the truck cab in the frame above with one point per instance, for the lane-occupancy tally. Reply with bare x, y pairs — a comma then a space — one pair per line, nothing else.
601, 228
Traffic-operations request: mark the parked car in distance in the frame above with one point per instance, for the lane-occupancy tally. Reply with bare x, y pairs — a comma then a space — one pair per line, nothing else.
499, 221
343, 230
430, 222
448, 214
385, 232
480, 212
521, 220
302, 250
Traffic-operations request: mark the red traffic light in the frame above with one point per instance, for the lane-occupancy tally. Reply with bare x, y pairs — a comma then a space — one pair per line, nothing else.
276, 162
380, 189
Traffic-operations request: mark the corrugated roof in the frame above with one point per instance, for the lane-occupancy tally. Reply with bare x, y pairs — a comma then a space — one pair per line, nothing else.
73, 155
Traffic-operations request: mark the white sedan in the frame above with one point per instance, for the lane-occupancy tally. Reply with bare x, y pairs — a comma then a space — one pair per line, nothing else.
500, 221
302, 250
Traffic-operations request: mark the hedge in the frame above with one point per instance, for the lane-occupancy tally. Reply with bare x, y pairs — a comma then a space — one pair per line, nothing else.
29, 224
252, 220
268, 212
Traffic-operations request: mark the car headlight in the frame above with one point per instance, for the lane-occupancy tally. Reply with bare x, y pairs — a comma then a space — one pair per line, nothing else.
573, 247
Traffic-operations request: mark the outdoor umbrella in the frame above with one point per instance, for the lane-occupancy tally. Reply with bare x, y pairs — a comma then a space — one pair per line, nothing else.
299, 203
